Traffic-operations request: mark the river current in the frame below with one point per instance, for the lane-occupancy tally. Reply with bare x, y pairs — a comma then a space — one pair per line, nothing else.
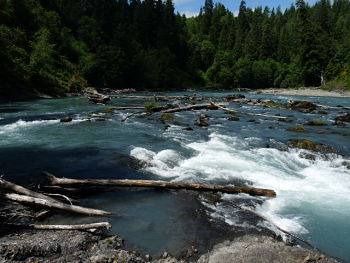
313, 196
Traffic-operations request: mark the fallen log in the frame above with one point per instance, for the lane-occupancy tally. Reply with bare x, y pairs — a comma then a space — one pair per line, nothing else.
132, 114
24, 191
223, 108
265, 115
192, 107
162, 184
56, 205
63, 227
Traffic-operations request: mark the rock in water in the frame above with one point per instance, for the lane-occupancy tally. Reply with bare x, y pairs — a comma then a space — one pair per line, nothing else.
343, 118
233, 118
66, 119
303, 106
312, 146
260, 249
201, 123
234, 97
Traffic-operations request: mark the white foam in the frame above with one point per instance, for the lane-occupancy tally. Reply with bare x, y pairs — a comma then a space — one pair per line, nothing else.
303, 186
20, 124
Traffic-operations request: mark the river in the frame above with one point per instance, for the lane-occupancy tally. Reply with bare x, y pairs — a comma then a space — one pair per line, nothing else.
313, 196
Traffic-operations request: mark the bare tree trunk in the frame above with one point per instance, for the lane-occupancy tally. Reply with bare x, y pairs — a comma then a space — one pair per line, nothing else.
163, 184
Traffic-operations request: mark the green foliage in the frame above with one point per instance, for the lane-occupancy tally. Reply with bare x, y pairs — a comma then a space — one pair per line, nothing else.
145, 45
272, 104
76, 83
298, 128
166, 116
304, 144
149, 105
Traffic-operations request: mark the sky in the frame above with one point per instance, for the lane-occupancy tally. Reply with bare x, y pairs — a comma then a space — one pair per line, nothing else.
191, 7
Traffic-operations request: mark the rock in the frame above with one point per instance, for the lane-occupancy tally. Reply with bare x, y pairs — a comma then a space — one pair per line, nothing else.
302, 106
272, 104
298, 128
320, 132
63, 246
201, 123
339, 123
177, 123
308, 156
260, 249
166, 116
255, 121
284, 120
312, 146
188, 129
346, 164
316, 123
343, 118
233, 118
321, 112
99, 98
204, 117
191, 252
234, 97
148, 257
66, 119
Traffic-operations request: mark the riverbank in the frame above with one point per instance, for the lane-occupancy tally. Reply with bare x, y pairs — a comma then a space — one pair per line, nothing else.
307, 92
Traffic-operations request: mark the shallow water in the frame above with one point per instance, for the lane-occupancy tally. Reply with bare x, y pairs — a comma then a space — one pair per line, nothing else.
312, 196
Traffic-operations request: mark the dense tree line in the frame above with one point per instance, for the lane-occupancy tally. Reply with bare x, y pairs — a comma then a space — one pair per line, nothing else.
60, 45
269, 48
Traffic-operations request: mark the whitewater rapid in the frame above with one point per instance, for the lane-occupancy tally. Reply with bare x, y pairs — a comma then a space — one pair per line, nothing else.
305, 188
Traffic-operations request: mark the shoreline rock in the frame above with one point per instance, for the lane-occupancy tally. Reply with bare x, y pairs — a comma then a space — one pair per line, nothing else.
260, 249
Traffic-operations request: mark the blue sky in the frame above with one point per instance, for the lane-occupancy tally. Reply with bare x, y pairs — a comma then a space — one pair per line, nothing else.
191, 7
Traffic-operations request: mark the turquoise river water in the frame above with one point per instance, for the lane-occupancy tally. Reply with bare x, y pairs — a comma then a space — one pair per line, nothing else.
313, 196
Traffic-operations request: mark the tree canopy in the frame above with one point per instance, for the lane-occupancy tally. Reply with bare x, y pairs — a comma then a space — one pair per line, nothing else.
55, 46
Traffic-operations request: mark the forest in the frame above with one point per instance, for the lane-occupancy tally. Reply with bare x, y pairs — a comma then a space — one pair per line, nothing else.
60, 46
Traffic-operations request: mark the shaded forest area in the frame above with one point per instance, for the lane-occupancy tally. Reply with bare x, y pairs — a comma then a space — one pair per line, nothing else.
61, 46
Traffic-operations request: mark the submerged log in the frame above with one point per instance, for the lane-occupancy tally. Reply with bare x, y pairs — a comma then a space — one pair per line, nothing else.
56, 205
63, 227
162, 184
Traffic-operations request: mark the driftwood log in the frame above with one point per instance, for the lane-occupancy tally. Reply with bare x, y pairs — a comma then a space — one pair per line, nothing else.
24, 191
192, 107
162, 184
63, 227
55, 205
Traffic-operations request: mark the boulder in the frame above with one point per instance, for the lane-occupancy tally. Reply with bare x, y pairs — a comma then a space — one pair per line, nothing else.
260, 249
66, 119
312, 146
302, 106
